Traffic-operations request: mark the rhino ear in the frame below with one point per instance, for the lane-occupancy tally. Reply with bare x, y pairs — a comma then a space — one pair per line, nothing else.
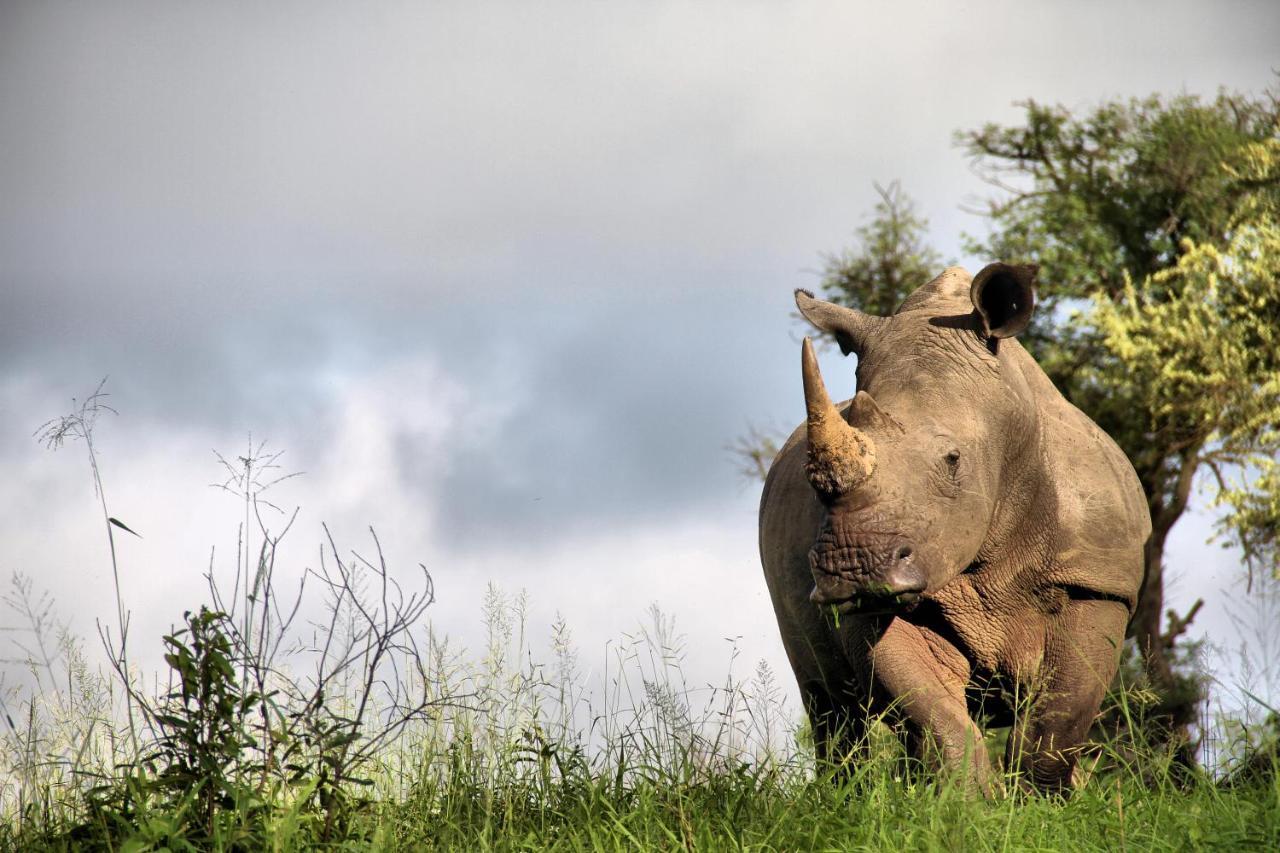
849, 325
1004, 297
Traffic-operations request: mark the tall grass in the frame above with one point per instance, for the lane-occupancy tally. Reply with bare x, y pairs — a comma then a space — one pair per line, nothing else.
335, 715
527, 753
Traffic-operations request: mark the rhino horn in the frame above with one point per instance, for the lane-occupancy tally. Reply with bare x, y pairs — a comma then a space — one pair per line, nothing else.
865, 413
840, 456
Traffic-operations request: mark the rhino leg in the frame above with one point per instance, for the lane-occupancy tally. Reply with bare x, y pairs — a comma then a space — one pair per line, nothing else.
1080, 662
925, 677
829, 689
839, 727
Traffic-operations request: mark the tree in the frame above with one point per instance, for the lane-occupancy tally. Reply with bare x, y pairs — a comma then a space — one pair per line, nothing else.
891, 257
1154, 224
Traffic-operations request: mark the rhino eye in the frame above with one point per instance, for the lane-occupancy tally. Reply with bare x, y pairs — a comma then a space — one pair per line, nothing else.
953, 460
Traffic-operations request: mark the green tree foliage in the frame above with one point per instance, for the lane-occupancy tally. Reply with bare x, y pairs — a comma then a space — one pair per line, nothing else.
1117, 190
891, 257
1203, 362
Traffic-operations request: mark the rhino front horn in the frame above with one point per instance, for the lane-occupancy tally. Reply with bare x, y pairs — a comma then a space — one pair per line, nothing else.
840, 457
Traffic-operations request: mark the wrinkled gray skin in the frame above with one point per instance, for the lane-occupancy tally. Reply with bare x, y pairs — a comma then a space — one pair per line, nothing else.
958, 542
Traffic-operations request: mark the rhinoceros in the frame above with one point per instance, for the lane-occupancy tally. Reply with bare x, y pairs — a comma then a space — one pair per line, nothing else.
957, 543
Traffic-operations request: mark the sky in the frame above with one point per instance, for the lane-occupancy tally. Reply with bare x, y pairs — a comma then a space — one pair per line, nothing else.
501, 280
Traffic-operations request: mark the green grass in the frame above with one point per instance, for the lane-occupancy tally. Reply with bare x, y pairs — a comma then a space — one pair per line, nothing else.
654, 764
736, 812
817, 816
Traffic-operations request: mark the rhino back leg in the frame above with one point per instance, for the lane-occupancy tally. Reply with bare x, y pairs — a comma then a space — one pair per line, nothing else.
830, 688
1081, 658
839, 726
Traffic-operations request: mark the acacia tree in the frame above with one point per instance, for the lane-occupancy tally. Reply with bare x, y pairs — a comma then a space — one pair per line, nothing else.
1152, 221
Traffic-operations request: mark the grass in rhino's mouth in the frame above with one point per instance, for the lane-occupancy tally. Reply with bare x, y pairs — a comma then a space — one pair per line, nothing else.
865, 605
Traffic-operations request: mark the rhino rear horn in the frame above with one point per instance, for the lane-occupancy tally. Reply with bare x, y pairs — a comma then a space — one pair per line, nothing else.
849, 326
865, 413
840, 456
1004, 297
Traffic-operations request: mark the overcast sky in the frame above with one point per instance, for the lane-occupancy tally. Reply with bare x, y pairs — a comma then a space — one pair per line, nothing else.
503, 280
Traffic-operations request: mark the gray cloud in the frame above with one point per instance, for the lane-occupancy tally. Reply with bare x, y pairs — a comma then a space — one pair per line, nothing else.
582, 222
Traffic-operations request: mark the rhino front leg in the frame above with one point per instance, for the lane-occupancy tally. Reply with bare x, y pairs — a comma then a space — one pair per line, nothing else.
925, 677
1080, 662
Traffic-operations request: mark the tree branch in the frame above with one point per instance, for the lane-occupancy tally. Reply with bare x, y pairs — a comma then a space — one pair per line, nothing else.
1181, 490
1178, 626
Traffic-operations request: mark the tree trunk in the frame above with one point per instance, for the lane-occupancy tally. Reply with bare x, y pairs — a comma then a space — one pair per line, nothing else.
1179, 694
1145, 625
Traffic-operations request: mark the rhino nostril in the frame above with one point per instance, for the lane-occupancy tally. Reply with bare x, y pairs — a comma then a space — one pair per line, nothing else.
902, 553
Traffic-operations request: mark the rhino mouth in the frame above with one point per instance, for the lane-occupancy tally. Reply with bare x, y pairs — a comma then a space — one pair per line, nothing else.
869, 601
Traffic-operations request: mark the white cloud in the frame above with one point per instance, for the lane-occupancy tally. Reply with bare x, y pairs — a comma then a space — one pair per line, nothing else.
158, 482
